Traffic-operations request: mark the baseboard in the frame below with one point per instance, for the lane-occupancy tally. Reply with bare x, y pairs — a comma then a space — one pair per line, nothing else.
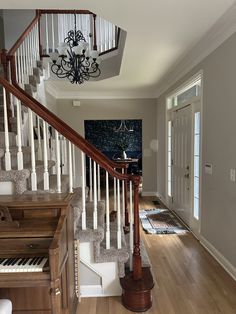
231, 270
150, 194
91, 291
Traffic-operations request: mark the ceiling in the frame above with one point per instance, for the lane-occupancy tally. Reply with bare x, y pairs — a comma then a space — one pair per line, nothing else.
159, 34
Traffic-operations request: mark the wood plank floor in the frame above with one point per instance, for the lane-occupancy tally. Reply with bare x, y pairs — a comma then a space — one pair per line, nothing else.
187, 279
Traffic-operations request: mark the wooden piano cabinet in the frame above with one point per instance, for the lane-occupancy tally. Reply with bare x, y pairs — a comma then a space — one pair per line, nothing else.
45, 230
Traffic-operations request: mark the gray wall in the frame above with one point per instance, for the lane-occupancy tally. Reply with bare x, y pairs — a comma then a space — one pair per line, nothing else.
219, 147
1, 30
15, 22
144, 109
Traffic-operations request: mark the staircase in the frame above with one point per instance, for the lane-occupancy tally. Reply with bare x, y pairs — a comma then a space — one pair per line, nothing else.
38, 154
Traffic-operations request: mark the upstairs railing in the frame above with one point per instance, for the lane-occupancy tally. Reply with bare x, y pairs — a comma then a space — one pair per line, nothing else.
100, 34
20, 64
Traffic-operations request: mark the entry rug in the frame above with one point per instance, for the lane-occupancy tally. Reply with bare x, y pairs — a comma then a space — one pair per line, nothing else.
161, 221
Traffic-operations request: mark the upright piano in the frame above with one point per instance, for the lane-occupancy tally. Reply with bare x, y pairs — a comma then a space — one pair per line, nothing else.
37, 253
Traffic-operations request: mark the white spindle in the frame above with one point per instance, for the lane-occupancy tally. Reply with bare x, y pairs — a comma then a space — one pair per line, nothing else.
33, 164
123, 200
95, 213
73, 164
108, 241
45, 158
70, 168
118, 216
40, 154
90, 181
64, 155
19, 142
7, 151
58, 162
131, 228
22, 66
99, 184
115, 207
83, 191
53, 34
46, 28
26, 78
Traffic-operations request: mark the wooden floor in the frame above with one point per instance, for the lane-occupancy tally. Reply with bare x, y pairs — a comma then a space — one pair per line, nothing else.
187, 279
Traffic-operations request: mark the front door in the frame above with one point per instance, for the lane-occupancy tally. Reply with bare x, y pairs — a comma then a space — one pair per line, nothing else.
181, 160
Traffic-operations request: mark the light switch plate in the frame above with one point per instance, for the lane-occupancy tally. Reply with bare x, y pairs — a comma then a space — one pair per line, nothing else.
232, 175
208, 168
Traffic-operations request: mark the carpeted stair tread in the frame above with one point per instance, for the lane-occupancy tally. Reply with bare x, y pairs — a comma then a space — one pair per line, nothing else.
52, 185
19, 177
90, 234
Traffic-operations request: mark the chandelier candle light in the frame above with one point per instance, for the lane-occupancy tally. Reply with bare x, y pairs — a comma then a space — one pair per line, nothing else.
74, 60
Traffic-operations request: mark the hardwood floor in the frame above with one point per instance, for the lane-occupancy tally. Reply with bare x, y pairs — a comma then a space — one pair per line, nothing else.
187, 279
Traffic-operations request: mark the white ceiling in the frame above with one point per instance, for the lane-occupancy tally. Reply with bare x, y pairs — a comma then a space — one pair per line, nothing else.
159, 34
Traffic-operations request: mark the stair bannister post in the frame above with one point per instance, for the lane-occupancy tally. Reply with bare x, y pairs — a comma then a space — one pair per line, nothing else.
5, 64
137, 264
38, 14
94, 32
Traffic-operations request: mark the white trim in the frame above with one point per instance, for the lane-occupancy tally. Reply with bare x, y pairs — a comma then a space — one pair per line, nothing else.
228, 267
148, 193
218, 33
57, 93
91, 291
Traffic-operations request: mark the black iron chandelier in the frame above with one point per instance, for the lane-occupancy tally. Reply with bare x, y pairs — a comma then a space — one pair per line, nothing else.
74, 60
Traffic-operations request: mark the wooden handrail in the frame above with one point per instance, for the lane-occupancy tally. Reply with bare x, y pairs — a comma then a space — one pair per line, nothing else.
64, 129
55, 11
23, 36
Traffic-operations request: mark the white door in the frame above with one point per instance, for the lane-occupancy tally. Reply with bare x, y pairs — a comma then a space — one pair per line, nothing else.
181, 159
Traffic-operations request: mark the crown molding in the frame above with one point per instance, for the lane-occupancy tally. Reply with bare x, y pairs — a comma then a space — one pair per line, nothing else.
54, 91
224, 27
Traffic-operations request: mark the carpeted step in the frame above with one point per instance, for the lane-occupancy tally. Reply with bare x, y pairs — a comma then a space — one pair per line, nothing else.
90, 234
19, 177
121, 256
12, 138
52, 185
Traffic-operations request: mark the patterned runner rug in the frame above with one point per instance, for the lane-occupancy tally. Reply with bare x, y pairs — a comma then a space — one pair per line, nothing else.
161, 221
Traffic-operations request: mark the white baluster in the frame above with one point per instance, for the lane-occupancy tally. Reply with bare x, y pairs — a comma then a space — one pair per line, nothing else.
108, 240
73, 164
45, 158
83, 192
58, 162
26, 78
64, 155
131, 224
53, 34
115, 202
70, 168
33, 164
19, 142
123, 200
90, 181
21, 66
118, 216
46, 28
40, 154
99, 184
95, 209
7, 151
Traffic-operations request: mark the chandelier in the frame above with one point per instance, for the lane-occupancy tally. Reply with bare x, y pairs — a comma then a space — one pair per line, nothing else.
123, 128
74, 60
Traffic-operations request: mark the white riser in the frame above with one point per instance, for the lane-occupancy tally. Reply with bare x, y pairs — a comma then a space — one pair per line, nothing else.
107, 271
7, 188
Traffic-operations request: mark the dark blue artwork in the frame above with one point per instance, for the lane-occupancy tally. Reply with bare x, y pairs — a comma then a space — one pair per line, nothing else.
102, 134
